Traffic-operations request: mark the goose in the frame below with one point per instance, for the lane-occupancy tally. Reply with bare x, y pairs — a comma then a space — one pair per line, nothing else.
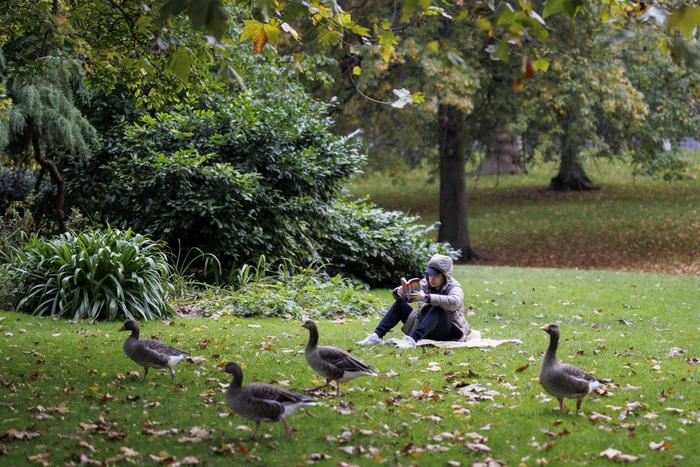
262, 402
333, 363
149, 353
561, 380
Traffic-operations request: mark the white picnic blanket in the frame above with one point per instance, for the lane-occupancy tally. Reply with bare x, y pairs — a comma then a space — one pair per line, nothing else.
474, 341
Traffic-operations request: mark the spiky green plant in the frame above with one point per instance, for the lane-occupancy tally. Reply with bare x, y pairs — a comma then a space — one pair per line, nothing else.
97, 275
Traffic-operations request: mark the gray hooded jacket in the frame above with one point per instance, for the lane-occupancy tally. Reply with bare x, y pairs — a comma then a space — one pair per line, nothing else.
450, 298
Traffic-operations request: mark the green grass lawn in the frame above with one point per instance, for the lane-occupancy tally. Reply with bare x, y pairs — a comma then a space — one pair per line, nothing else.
57, 375
630, 224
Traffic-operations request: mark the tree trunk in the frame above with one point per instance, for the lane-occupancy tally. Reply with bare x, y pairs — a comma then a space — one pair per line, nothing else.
50, 166
453, 196
571, 176
503, 155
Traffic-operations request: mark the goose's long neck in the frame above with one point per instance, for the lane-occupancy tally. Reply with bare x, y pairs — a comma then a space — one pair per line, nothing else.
237, 380
313, 339
551, 354
135, 333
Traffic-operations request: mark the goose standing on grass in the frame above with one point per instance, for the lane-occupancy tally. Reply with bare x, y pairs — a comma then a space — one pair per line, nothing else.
149, 353
561, 380
333, 363
262, 402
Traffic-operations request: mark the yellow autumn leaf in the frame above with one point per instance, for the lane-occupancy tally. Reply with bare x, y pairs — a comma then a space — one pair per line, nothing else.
260, 33
356, 70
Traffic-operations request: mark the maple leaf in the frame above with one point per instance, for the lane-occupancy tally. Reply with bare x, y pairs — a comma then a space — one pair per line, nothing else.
260, 33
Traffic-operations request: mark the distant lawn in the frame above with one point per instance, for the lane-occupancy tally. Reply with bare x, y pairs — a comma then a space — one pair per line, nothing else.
630, 224
56, 375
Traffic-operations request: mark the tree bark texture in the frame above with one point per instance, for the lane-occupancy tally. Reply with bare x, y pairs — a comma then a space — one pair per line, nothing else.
453, 196
50, 166
503, 155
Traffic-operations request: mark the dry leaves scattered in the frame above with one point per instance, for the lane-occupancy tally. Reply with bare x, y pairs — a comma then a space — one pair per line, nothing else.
105, 428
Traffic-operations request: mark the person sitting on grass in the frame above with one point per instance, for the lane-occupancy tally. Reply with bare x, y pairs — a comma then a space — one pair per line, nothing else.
440, 315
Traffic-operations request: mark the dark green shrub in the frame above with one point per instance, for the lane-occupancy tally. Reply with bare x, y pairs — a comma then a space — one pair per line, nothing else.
256, 174
250, 177
375, 245
15, 185
98, 275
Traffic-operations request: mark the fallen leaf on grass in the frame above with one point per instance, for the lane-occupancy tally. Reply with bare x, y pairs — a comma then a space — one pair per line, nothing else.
197, 435
115, 435
345, 408
391, 374
352, 450
317, 457
433, 366
12, 435
223, 449
163, 458
522, 368
692, 361
86, 445
42, 458
662, 446
488, 462
599, 417
614, 454
128, 452
477, 447
103, 427
675, 351
630, 408
478, 392
443, 436
87, 460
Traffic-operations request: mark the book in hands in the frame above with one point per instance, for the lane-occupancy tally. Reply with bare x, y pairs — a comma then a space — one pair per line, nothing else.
409, 286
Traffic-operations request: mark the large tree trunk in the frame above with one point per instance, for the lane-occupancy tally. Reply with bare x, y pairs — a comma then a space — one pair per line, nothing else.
503, 155
50, 166
571, 176
453, 196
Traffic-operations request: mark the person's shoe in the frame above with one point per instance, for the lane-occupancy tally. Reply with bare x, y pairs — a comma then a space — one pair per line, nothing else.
372, 339
406, 343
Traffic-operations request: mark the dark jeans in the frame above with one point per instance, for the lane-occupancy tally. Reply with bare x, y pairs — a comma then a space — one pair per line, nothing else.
435, 325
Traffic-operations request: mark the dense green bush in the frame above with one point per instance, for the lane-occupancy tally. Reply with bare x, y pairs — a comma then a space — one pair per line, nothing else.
375, 245
255, 174
249, 177
97, 275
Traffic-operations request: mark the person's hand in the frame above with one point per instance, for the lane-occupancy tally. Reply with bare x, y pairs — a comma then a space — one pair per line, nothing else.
417, 296
399, 291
